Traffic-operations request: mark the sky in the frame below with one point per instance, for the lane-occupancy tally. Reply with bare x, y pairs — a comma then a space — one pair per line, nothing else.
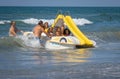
76, 3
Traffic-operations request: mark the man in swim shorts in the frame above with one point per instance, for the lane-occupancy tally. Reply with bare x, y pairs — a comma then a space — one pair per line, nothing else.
38, 30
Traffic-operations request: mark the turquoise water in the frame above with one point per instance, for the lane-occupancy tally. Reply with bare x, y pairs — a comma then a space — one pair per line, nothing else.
101, 24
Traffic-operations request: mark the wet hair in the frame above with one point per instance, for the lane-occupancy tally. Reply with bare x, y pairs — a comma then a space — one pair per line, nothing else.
12, 22
46, 23
40, 22
65, 31
58, 28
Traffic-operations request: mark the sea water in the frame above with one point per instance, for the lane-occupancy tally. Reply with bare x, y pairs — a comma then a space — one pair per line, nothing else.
101, 24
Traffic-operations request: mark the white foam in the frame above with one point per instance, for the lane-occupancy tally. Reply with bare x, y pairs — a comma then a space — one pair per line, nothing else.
78, 21
1, 22
4, 21
30, 21
29, 41
35, 21
82, 21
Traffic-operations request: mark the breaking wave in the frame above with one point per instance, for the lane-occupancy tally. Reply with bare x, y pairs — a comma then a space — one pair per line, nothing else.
104, 37
4, 21
35, 21
79, 21
8, 42
82, 21
98, 37
22, 41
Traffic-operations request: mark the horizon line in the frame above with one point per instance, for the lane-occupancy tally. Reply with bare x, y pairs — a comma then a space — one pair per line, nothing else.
59, 6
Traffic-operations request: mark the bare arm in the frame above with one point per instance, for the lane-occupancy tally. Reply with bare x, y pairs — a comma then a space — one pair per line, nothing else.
46, 32
17, 30
13, 33
62, 30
